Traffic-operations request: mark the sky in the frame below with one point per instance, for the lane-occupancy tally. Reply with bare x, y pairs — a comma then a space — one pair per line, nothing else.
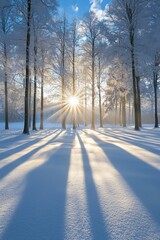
79, 7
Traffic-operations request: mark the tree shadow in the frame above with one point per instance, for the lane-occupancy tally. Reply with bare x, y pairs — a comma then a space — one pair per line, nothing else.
142, 178
40, 213
139, 142
98, 226
23, 145
11, 166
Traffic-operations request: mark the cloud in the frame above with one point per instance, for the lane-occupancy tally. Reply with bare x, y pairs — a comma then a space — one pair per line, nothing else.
75, 8
97, 9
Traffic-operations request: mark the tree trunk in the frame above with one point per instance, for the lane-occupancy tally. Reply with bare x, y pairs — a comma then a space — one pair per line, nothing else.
129, 111
139, 101
135, 96
123, 111
26, 114
100, 98
63, 76
115, 113
42, 85
130, 14
155, 77
120, 113
6, 86
93, 90
85, 90
73, 78
35, 83
30, 95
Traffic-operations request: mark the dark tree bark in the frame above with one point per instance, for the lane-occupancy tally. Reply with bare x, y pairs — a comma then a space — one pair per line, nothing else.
129, 111
35, 83
139, 101
130, 15
4, 21
6, 86
155, 78
42, 85
26, 114
30, 95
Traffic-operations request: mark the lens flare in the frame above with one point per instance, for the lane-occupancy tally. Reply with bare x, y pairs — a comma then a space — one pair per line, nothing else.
73, 101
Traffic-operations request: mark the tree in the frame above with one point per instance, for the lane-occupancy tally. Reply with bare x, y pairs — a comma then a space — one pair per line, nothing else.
35, 74
99, 92
126, 16
74, 37
5, 29
26, 114
91, 32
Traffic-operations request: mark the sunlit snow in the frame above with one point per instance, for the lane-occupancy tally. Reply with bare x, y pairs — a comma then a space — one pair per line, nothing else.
82, 184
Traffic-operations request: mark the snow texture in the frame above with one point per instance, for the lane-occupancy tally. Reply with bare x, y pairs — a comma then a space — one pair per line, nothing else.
80, 185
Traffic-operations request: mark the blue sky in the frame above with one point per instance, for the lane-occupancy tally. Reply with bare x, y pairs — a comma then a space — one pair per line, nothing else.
79, 7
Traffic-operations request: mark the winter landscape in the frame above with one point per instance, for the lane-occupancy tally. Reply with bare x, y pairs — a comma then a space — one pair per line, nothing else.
80, 184
79, 120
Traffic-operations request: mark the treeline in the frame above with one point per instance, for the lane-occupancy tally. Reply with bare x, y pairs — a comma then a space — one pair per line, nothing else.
111, 62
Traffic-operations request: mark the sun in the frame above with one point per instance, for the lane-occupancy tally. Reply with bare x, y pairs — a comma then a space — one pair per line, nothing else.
73, 101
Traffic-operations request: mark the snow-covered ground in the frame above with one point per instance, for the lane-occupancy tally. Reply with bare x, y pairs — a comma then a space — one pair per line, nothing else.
80, 185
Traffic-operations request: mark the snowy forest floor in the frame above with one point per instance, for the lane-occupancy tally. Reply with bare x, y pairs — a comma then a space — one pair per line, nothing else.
80, 185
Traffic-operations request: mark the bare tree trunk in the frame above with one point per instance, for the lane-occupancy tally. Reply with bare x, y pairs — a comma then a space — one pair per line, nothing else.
123, 111
63, 104
6, 86
42, 85
26, 115
73, 77
130, 15
85, 98
135, 97
132, 113
139, 101
115, 113
120, 113
30, 95
155, 78
129, 111
99, 93
93, 90
63, 75
35, 82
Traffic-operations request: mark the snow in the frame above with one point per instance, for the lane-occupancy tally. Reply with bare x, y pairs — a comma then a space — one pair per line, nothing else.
80, 185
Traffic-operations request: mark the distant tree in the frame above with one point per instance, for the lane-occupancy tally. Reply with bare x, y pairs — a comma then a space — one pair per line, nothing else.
92, 33
74, 37
6, 25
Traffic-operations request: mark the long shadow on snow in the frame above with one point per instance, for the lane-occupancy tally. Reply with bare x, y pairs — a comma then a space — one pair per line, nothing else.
99, 230
136, 142
40, 213
11, 166
143, 179
23, 145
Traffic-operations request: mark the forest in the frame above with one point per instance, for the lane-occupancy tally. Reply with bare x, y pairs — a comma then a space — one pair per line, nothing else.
79, 119
98, 69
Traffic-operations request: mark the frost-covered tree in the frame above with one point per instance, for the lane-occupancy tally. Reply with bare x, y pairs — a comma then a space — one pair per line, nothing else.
128, 18
91, 29
6, 29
